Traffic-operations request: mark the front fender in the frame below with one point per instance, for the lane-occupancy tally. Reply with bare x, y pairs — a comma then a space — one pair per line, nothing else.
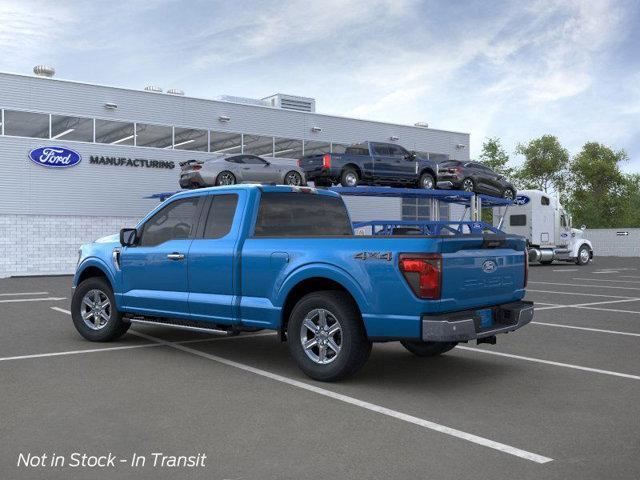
578, 244
97, 262
323, 270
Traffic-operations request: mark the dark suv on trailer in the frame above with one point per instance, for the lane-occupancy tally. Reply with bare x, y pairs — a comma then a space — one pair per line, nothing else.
474, 177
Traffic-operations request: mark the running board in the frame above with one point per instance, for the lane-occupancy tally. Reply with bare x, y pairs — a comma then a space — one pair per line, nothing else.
181, 327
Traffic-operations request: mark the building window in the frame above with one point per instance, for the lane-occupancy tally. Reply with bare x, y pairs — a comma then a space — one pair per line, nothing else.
287, 148
419, 209
258, 145
190, 139
26, 124
114, 133
316, 148
226, 143
71, 128
157, 136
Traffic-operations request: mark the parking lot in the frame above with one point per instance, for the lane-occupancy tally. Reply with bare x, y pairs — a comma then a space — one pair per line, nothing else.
557, 399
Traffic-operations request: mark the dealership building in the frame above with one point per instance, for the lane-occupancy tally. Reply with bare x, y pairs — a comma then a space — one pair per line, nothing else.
129, 144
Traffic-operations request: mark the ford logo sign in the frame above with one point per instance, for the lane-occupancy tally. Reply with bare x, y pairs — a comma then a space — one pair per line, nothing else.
489, 266
56, 157
521, 200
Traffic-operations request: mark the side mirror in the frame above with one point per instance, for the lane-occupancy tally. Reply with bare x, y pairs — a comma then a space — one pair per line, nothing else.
128, 237
583, 227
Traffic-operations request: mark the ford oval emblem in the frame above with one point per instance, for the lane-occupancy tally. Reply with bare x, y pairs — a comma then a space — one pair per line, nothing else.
521, 200
56, 157
489, 266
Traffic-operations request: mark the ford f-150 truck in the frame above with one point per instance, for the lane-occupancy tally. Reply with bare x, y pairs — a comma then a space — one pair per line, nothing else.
249, 257
371, 163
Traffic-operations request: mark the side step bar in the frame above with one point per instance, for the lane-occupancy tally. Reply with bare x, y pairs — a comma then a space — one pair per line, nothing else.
180, 326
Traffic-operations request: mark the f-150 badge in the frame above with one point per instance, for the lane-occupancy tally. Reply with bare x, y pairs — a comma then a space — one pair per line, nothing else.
374, 255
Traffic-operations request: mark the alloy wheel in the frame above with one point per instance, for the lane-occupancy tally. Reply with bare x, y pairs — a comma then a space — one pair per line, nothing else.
584, 255
427, 182
95, 309
294, 179
351, 179
321, 336
226, 178
467, 185
508, 194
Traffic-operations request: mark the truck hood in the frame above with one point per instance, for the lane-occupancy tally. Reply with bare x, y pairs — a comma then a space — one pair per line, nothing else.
115, 238
577, 233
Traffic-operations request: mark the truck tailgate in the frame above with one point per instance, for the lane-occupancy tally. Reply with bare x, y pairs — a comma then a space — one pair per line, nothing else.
482, 271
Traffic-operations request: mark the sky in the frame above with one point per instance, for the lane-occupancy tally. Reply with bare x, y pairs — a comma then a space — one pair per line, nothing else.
514, 70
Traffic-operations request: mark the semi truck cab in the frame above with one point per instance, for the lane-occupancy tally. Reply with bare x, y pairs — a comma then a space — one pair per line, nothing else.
546, 225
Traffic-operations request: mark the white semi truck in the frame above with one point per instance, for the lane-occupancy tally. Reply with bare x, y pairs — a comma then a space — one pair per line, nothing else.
540, 218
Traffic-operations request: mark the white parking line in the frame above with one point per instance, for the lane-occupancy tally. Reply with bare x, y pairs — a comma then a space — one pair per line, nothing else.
359, 403
550, 362
578, 293
628, 276
16, 300
22, 293
610, 310
566, 270
604, 280
553, 306
582, 285
597, 330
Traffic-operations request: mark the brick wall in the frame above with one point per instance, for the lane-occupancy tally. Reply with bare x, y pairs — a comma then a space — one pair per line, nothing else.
48, 244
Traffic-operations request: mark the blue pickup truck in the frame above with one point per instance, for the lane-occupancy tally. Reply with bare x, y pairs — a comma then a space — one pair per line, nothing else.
371, 163
250, 257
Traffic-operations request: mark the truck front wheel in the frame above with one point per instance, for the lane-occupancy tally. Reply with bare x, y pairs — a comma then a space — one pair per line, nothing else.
427, 349
326, 336
584, 255
94, 314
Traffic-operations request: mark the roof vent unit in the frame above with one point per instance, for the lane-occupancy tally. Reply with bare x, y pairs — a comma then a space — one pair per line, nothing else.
44, 71
422, 124
153, 88
243, 100
175, 91
292, 102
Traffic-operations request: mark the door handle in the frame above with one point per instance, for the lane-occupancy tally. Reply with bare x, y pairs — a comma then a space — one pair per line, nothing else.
175, 256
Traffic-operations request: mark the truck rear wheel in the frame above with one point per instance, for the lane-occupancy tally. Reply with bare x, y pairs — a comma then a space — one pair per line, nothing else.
427, 349
94, 314
326, 336
349, 178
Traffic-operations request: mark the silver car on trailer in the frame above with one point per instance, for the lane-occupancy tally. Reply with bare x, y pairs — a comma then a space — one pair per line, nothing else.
240, 168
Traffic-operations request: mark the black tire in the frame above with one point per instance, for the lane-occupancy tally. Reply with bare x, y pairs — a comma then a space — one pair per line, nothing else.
355, 347
509, 193
293, 178
579, 258
113, 328
427, 349
468, 185
220, 179
427, 178
345, 178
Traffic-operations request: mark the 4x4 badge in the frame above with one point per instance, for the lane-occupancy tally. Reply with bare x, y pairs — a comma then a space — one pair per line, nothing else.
374, 255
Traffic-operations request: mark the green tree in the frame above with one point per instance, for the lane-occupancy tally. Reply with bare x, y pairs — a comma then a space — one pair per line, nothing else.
495, 157
545, 164
599, 191
631, 213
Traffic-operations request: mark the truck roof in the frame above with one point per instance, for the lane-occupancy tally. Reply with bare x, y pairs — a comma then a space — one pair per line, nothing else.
248, 186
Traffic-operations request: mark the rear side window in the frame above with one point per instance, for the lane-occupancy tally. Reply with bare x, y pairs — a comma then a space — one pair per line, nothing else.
360, 149
220, 216
381, 149
176, 221
284, 214
517, 220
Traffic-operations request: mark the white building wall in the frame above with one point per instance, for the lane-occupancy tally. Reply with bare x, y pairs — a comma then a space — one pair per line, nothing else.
612, 242
48, 244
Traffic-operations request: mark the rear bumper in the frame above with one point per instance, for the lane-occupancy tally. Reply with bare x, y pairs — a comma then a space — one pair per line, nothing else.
319, 173
191, 180
465, 325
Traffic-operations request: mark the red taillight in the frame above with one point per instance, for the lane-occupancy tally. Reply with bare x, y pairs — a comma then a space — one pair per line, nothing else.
196, 167
423, 273
299, 163
526, 267
326, 160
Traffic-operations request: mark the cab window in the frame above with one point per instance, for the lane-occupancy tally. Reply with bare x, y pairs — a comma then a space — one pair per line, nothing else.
176, 221
381, 149
220, 216
544, 200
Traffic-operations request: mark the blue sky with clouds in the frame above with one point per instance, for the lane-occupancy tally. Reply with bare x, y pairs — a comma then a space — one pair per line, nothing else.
515, 70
